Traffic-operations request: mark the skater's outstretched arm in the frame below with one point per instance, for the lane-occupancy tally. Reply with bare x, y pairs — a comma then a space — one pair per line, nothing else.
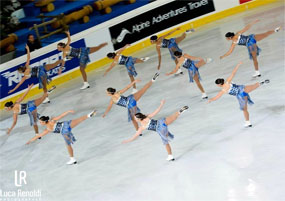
27, 65
229, 80
128, 87
68, 38
19, 84
219, 95
63, 115
114, 63
28, 56
15, 118
25, 94
139, 131
162, 102
108, 108
122, 49
176, 68
64, 52
192, 57
38, 136
230, 51
247, 27
168, 34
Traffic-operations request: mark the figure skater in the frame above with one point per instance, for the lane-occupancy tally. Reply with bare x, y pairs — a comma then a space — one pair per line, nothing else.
130, 102
29, 108
39, 72
249, 42
240, 91
81, 53
64, 128
129, 62
160, 126
171, 44
192, 64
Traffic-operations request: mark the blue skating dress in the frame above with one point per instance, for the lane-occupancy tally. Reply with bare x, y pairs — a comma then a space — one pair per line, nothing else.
238, 91
65, 130
81, 53
129, 62
192, 69
171, 45
28, 108
130, 103
40, 73
250, 43
162, 129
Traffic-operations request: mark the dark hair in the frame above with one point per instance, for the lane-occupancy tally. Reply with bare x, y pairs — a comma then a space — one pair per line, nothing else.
44, 118
220, 81
111, 90
111, 55
178, 54
22, 69
230, 35
140, 116
153, 38
61, 45
9, 104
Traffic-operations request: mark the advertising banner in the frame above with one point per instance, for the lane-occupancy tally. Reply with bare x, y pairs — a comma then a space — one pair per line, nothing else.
158, 19
10, 77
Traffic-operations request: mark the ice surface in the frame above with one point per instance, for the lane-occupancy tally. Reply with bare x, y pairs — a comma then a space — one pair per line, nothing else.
216, 158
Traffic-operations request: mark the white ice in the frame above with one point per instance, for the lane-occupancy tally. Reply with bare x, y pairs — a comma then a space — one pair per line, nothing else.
216, 158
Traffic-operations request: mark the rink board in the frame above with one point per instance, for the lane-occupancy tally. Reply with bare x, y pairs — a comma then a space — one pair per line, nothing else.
91, 37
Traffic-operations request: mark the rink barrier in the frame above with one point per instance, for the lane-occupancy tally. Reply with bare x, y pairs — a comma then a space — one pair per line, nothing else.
74, 73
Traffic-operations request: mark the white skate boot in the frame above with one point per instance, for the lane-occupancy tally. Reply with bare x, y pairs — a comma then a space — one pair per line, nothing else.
145, 59
277, 29
256, 74
247, 124
155, 77
85, 86
183, 109
46, 100
92, 114
264, 82
51, 89
71, 161
170, 158
179, 72
188, 31
37, 135
204, 96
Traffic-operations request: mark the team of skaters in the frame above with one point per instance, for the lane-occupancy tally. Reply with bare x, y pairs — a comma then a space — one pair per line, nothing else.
140, 120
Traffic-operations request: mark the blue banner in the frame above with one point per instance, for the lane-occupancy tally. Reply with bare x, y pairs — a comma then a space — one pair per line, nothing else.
11, 77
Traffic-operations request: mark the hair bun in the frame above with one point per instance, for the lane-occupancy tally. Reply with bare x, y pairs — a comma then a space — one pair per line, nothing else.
9, 104
229, 34
111, 90
177, 53
44, 118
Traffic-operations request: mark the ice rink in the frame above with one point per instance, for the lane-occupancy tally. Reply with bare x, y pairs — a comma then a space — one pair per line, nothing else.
217, 159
